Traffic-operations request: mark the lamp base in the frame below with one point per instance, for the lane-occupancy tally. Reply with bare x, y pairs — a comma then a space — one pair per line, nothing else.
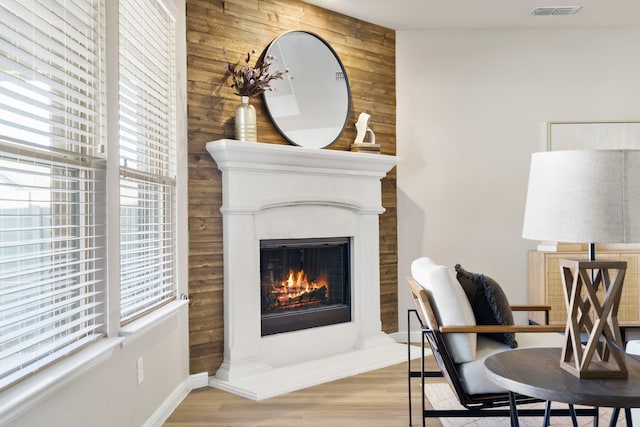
592, 294
596, 370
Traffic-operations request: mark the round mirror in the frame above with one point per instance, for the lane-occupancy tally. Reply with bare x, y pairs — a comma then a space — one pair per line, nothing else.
310, 105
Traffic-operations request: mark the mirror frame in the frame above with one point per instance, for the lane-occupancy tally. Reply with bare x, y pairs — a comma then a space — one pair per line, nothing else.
346, 80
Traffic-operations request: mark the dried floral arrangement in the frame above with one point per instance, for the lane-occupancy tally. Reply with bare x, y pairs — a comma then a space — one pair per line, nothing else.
251, 81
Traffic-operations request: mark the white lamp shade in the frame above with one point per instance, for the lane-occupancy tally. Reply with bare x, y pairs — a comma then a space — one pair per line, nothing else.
584, 197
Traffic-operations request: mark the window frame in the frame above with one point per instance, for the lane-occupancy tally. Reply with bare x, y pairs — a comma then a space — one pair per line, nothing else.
138, 326
23, 394
147, 159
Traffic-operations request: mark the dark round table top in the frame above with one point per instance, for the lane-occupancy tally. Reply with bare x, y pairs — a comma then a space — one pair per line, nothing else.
536, 372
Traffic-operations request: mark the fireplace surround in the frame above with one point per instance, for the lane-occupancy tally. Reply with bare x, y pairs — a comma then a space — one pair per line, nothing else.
288, 193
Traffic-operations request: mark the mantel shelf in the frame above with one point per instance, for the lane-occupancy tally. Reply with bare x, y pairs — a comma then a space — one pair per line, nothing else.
232, 154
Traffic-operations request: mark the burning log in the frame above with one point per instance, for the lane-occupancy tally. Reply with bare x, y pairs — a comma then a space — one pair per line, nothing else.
296, 291
312, 297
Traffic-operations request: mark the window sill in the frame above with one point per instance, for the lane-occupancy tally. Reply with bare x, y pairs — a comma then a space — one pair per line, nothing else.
140, 327
22, 396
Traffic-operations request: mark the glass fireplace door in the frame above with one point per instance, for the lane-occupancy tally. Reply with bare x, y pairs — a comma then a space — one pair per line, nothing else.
304, 283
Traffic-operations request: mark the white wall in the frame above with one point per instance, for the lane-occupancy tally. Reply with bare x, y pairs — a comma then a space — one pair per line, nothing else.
471, 108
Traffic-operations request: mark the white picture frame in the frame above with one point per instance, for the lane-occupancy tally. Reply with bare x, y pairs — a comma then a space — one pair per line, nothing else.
615, 135
593, 135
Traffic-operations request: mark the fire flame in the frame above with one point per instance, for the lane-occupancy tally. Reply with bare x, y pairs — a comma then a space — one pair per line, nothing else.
296, 290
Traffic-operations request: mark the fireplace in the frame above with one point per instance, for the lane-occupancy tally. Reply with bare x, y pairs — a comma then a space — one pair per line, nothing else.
304, 283
284, 207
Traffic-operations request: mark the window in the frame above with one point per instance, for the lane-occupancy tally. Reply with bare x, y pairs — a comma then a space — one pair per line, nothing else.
147, 156
54, 225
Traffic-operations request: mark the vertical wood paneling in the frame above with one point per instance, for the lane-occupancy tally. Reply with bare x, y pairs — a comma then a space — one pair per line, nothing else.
368, 54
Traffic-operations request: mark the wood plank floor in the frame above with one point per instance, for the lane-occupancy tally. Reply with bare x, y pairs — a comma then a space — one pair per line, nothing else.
373, 399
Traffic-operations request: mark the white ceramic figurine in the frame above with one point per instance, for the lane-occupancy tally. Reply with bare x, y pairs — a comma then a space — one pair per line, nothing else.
362, 127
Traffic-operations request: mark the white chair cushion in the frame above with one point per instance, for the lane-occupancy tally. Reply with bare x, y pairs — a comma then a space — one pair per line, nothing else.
423, 264
633, 347
450, 306
473, 375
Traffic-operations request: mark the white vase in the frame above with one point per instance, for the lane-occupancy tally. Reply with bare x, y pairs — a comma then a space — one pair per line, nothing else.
245, 121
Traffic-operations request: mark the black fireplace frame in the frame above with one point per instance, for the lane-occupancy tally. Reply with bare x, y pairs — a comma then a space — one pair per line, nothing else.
294, 320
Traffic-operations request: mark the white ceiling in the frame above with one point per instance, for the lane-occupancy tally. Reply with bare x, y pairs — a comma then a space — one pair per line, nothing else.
485, 14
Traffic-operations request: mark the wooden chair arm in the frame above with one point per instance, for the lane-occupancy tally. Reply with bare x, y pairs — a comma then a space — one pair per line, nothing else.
483, 329
530, 308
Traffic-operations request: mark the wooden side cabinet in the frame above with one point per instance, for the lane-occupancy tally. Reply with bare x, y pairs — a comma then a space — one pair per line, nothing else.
545, 283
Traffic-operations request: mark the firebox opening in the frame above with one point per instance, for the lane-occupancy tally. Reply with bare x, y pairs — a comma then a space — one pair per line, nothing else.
304, 283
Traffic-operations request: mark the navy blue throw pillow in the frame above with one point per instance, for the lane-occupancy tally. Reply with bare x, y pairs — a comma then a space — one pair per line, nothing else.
489, 302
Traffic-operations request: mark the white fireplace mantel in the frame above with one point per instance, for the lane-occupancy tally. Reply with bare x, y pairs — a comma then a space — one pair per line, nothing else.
306, 175
261, 156
274, 191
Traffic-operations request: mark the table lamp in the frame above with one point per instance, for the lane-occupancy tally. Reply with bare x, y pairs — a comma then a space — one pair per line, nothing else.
587, 197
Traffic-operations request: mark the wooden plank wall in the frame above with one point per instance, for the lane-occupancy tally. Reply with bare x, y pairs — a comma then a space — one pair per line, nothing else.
368, 54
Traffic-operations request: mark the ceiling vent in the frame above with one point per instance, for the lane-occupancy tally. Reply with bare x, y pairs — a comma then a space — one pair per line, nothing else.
555, 10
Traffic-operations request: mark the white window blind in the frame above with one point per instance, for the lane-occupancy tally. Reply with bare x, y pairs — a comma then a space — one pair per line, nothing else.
147, 157
51, 237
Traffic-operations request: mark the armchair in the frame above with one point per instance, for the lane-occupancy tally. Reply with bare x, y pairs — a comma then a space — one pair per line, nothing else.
459, 346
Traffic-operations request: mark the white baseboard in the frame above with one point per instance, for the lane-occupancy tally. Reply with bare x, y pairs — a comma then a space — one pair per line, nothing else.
172, 401
401, 337
199, 380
